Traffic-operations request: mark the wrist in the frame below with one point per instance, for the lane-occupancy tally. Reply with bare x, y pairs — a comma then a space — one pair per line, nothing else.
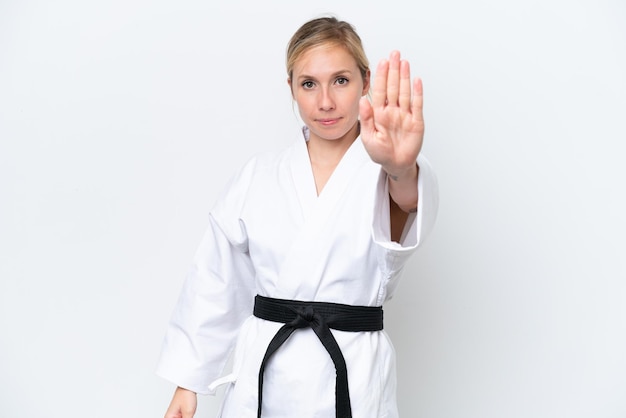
402, 174
183, 390
403, 187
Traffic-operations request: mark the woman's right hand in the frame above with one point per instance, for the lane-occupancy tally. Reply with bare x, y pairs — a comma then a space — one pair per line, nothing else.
183, 405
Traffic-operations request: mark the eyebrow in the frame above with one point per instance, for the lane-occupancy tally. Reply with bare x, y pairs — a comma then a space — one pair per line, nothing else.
333, 75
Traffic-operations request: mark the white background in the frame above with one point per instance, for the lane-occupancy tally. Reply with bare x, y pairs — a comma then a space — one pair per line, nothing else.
120, 121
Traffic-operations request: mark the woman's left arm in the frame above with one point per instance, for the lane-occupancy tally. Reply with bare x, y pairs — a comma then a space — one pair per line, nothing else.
392, 131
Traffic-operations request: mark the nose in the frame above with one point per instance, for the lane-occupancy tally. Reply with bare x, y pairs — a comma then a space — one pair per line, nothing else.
326, 100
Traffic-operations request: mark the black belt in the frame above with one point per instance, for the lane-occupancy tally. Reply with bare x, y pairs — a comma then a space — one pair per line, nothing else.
320, 316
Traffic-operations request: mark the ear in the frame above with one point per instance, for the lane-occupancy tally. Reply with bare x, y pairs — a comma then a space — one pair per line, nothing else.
366, 82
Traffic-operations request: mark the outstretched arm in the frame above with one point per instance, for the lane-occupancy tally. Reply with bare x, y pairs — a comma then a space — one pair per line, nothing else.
392, 128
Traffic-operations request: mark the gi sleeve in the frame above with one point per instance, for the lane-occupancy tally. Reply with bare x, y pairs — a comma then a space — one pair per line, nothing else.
216, 297
392, 256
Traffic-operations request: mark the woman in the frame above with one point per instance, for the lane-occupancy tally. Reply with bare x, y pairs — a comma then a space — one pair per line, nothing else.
306, 240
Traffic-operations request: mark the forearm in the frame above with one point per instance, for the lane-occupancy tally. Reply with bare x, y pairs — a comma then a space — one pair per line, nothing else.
403, 187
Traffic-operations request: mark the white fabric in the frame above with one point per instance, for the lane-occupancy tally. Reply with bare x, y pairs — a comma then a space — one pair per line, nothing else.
271, 234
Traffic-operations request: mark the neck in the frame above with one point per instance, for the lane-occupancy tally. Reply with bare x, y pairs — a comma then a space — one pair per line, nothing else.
329, 152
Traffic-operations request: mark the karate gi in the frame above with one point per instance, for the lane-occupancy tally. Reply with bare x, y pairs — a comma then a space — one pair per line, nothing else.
271, 234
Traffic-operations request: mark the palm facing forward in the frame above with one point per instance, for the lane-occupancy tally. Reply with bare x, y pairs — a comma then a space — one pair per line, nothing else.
392, 126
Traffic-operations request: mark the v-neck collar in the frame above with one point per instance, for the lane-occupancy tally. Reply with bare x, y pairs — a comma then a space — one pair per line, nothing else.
302, 172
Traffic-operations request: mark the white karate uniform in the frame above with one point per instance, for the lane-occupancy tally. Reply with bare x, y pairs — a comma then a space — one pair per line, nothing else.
271, 234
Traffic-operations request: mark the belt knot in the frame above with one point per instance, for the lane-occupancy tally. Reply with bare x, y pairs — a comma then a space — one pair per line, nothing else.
308, 314
320, 317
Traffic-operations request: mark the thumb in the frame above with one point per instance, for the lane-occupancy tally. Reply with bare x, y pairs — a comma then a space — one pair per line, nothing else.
187, 413
366, 115
183, 404
188, 408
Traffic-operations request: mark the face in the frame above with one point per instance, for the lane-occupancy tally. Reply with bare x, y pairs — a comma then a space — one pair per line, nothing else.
327, 85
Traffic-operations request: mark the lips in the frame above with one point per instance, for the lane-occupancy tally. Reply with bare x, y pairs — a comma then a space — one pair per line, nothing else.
328, 121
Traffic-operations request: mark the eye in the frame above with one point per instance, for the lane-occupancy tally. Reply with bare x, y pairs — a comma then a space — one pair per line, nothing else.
308, 84
341, 80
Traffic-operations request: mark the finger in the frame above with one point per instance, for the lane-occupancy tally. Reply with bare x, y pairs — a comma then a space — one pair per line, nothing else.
404, 99
393, 79
418, 100
379, 92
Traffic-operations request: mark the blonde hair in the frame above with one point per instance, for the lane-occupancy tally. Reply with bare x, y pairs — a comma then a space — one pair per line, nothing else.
326, 31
